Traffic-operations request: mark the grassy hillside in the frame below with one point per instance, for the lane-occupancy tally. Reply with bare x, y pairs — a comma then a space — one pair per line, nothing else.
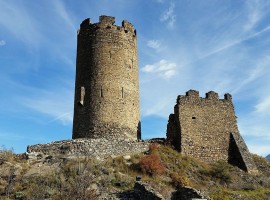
162, 167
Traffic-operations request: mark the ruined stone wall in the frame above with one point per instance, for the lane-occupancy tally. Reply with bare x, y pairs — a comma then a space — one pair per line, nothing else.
205, 124
100, 148
107, 87
203, 128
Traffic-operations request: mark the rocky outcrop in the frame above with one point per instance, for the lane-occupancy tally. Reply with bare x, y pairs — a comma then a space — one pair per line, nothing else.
143, 191
188, 193
268, 157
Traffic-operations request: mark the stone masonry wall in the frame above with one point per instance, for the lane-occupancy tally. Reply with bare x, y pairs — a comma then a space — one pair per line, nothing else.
202, 127
107, 87
96, 148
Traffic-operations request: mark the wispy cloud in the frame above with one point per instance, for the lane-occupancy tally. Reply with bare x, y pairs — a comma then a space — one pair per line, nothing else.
15, 137
256, 11
169, 16
55, 104
155, 44
263, 107
64, 13
252, 75
160, 1
16, 19
234, 43
163, 68
258, 148
2, 42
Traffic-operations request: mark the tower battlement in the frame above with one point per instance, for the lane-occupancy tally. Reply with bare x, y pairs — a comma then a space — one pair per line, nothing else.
108, 22
194, 95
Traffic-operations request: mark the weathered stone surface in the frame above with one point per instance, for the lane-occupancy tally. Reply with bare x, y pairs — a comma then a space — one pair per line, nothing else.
97, 148
188, 193
107, 86
239, 154
206, 128
144, 192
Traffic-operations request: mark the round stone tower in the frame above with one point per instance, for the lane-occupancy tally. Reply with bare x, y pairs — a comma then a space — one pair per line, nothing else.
106, 101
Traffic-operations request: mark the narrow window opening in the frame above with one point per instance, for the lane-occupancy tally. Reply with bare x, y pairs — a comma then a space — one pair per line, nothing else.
82, 96
122, 92
110, 57
101, 92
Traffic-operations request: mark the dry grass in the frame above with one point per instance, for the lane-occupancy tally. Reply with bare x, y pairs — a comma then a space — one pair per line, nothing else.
163, 167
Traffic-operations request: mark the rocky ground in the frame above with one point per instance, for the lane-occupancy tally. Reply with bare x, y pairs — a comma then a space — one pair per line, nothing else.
164, 171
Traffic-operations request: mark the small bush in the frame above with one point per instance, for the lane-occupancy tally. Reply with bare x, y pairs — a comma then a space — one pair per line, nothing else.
6, 155
179, 180
153, 148
220, 170
151, 164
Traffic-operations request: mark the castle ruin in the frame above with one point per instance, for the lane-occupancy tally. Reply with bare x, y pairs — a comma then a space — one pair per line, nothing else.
107, 110
206, 128
107, 88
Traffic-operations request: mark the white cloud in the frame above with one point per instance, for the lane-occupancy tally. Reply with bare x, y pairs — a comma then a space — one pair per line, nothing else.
155, 44
168, 74
264, 106
163, 68
258, 148
2, 42
169, 16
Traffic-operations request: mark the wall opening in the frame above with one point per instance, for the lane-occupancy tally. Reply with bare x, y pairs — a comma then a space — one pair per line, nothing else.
122, 92
110, 57
193, 117
101, 92
81, 102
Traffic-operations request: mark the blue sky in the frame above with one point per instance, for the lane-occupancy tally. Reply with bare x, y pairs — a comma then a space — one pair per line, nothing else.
216, 45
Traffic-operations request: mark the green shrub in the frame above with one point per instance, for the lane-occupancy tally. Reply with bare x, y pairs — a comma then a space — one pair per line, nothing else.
220, 170
179, 180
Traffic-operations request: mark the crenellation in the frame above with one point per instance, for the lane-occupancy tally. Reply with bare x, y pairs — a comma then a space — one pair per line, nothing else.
85, 23
192, 94
211, 95
106, 20
192, 97
228, 97
128, 27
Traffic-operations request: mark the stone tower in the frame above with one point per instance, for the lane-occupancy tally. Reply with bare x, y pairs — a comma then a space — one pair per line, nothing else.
106, 101
206, 128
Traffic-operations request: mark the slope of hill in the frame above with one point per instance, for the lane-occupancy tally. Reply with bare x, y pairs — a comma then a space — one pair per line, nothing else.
268, 157
163, 168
